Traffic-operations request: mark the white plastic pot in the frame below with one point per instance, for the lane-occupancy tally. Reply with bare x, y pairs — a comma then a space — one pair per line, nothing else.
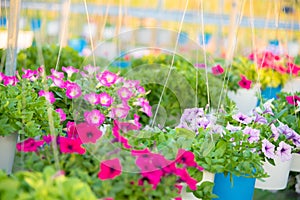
7, 152
279, 175
295, 166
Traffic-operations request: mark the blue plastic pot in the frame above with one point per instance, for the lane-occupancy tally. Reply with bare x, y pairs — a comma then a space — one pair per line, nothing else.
242, 188
269, 93
207, 38
77, 44
121, 64
36, 24
2, 21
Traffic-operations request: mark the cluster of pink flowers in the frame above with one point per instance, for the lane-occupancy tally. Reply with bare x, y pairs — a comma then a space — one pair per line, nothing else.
283, 65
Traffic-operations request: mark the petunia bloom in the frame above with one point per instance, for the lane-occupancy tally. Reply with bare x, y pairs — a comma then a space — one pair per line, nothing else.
232, 128
48, 95
57, 74
240, 117
109, 169
105, 99
70, 145
94, 117
145, 106
62, 114
107, 78
88, 133
186, 157
30, 74
217, 70
268, 149
73, 91
152, 177
124, 93
92, 98
70, 70
293, 100
284, 151
29, 145
245, 83
120, 112
118, 136
57, 82
253, 134
10, 80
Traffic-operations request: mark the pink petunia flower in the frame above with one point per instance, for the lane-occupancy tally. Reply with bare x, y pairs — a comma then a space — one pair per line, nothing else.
48, 138
120, 112
62, 114
57, 81
92, 98
245, 83
94, 117
107, 78
284, 151
71, 130
32, 75
109, 169
70, 70
184, 176
146, 108
57, 74
10, 80
186, 157
152, 177
124, 93
73, 91
119, 137
29, 145
105, 99
48, 95
217, 70
88, 133
70, 145
293, 100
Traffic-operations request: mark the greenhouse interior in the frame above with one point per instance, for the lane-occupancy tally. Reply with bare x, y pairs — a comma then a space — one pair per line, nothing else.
158, 100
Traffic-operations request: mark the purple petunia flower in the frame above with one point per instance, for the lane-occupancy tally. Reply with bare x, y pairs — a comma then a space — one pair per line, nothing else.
254, 134
240, 117
285, 130
284, 151
275, 133
267, 106
259, 119
268, 149
232, 128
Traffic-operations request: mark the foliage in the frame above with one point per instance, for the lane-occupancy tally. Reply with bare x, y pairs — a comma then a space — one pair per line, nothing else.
181, 88
23, 111
48, 184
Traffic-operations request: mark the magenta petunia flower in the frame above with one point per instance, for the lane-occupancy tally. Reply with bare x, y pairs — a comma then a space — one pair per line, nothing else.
29, 145
245, 83
48, 138
124, 93
186, 157
92, 98
10, 80
293, 100
284, 151
240, 117
119, 138
32, 75
217, 70
268, 149
120, 112
105, 99
57, 81
185, 177
70, 145
152, 178
70, 70
57, 74
144, 163
71, 130
88, 133
73, 91
109, 169
62, 114
2, 76
107, 78
94, 117
145, 106
48, 95
253, 134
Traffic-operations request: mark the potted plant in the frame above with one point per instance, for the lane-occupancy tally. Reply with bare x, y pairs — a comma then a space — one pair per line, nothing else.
22, 112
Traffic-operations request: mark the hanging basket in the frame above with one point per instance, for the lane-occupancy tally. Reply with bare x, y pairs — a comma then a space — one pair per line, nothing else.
241, 187
279, 175
295, 165
7, 151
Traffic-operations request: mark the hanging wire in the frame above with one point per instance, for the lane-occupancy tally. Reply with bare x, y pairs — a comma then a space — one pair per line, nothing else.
90, 32
172, 63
